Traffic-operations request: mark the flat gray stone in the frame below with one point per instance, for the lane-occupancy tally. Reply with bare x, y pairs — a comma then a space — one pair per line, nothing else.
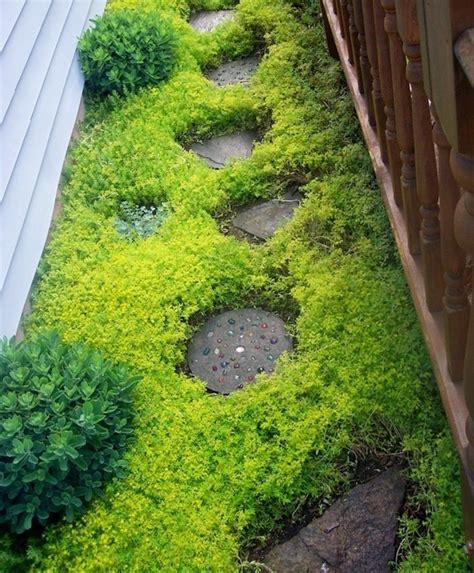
264, 219
355, 535
233, 347
217, 151
207, 20
236, 72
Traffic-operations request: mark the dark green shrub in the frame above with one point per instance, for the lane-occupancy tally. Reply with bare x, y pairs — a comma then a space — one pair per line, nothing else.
126, 51
64, 421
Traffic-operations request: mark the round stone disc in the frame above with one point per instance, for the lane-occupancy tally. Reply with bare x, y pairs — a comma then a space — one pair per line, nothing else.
233, 347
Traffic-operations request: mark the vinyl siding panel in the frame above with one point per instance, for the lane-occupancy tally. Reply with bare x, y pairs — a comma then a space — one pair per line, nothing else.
40, 112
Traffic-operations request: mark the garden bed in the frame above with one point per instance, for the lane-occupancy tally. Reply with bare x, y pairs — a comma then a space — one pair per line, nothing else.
209, 475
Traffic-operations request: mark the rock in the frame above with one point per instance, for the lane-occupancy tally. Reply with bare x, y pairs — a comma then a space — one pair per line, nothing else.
207, 20
231, 349
355, 535
217, 151
236, 72
264, 219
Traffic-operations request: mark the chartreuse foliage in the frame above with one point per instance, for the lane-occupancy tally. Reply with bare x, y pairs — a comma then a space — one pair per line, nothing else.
64, 420
208, 475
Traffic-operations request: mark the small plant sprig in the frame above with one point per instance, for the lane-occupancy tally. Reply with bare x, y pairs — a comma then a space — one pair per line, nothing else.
65, 416
139, 221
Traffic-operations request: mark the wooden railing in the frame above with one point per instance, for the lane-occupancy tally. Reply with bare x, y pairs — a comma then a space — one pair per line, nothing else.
409, 65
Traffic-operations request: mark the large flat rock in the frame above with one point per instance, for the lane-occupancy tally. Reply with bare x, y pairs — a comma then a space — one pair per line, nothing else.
355, 535
264, 219
218, 151
238, 71
207, 20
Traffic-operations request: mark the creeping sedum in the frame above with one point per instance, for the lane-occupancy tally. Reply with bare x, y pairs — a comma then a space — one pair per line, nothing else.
64, 421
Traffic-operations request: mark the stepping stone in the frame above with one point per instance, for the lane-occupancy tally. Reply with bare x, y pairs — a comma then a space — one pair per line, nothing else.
217, 151
264, 219
236, 72
233, 347
207, 20
356, 534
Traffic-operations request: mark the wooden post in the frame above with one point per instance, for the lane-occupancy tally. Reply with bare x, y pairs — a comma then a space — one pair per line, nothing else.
463, 171
426, 176
404, 123
345, 27
364, 60
328, 32
369, 26
355, 45
456, 304
385, 71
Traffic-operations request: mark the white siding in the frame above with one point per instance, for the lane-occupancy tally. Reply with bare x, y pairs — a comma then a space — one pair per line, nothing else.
41, 86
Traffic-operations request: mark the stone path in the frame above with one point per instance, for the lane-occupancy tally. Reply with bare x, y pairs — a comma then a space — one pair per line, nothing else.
233, 347
207, 20
238, 71
264, 219
217, 151
355, 535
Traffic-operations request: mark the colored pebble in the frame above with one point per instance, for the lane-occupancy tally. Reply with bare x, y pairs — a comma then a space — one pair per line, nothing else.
206, 351
274, 340
264, 325
210, 334
270, 357
240, 349
236, 365
224, 364
231, 321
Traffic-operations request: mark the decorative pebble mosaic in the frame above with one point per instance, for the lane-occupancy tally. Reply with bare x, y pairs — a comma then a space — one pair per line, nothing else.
236, 72
232, 348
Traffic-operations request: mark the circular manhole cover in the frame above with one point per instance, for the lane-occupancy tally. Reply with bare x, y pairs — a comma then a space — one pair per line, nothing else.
233, 347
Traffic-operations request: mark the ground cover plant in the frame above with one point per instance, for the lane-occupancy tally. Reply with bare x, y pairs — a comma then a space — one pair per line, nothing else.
208, 475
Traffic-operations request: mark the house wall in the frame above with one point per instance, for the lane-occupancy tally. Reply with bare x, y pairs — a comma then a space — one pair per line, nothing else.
40, 93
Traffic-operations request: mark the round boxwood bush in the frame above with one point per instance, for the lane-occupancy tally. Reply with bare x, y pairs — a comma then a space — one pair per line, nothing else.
127, 50
65, 416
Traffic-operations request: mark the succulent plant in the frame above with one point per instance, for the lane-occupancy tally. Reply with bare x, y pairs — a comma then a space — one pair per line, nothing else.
65, 416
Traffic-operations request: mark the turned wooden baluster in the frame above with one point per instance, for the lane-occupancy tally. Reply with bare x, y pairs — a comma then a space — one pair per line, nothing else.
463, 171
345, 27
456, 304
369, 26
355, 45
385, 71
404, 123
426, 175
331, 44
364, 60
